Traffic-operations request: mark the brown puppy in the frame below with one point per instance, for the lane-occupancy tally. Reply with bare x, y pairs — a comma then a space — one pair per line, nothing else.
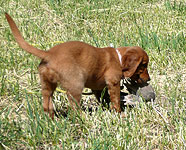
75, 65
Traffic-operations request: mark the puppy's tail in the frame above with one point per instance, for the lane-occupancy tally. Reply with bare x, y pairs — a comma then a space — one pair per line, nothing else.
22, 43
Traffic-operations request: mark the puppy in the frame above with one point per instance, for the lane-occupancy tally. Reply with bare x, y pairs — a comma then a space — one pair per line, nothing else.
75, 65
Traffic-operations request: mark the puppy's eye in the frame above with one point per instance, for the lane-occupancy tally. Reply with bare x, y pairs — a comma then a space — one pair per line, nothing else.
145, 65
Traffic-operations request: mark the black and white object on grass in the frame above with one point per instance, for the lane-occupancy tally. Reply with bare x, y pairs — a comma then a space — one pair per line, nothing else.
137, 93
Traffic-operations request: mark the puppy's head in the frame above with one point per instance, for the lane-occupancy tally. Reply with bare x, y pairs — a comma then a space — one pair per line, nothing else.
134, 64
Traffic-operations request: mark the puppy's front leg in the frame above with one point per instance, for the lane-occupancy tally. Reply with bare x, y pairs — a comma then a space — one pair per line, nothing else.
114, 92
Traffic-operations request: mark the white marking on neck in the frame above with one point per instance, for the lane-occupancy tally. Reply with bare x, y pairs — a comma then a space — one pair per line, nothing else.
119, 55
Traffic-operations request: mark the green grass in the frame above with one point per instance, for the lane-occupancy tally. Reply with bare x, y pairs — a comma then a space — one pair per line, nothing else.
157, 26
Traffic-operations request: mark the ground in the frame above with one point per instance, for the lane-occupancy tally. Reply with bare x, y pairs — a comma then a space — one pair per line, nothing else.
157, 26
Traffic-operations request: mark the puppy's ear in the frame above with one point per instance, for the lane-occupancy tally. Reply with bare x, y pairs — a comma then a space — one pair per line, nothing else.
130, 63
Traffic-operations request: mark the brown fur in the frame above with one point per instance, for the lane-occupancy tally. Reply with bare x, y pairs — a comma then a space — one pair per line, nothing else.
75, 65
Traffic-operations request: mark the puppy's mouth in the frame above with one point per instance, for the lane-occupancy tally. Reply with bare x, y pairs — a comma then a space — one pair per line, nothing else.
140, 81
143, 81
136, 79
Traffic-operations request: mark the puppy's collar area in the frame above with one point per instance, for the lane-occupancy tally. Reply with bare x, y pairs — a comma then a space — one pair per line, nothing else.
119, 55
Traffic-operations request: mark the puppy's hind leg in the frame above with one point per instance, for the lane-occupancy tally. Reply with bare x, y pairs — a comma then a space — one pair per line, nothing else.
74, 97
48, 85
74, 88
72, 79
